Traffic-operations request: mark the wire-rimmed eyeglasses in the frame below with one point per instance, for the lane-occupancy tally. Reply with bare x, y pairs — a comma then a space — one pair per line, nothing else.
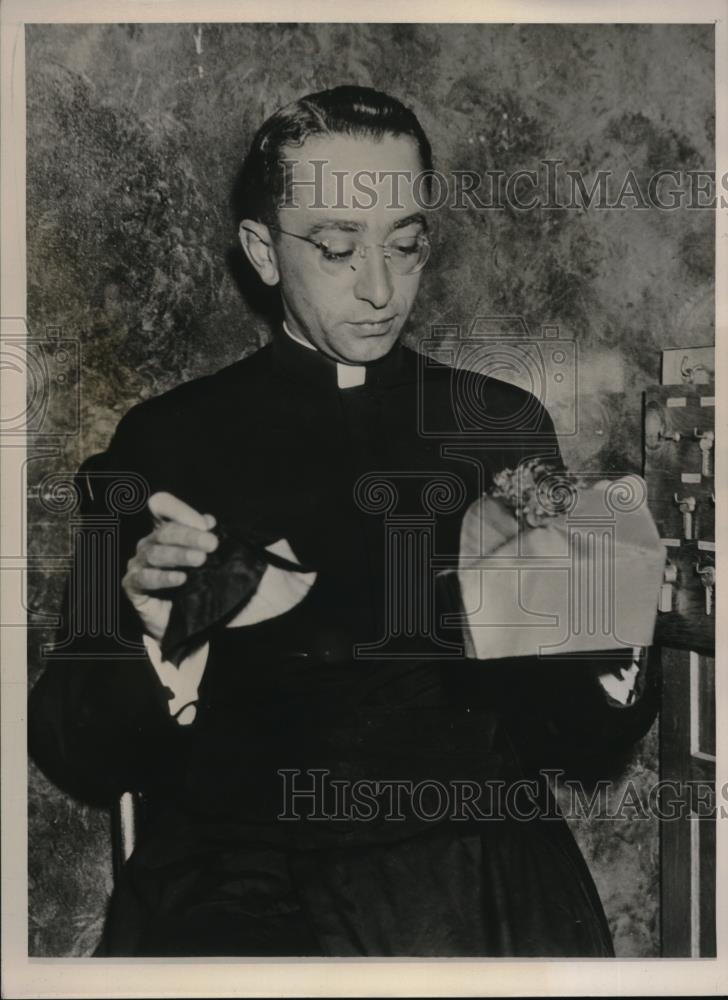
403, 254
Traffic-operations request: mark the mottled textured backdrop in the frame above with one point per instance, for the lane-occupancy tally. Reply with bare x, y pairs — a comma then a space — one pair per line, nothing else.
134, 135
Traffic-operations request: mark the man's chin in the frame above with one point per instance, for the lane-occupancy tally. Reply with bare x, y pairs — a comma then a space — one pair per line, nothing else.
366, 349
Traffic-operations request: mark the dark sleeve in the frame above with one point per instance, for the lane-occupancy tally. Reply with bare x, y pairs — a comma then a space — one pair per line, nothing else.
519, 418
98, 714
564, 717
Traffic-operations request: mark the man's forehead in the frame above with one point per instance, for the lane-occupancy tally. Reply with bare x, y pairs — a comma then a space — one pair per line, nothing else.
366, 178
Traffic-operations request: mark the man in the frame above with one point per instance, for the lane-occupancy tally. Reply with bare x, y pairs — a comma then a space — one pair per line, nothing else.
330, 671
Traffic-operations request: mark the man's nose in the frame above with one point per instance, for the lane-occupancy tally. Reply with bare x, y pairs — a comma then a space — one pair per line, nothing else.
373, 280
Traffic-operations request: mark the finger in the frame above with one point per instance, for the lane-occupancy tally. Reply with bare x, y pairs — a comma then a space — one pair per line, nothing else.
174, 533
164, 505
173, 555
148, 579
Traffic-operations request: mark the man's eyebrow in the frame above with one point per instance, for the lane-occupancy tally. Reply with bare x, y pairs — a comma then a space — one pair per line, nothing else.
409, 220
351, 226
345, 225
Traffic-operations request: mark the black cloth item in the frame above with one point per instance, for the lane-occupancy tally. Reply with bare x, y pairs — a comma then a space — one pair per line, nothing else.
218, 590
360, 683
212, 596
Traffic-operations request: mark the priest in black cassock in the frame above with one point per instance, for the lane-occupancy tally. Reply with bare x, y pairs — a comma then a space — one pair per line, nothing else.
278, 591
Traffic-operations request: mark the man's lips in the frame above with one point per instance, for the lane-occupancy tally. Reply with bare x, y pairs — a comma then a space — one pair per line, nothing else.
375, 325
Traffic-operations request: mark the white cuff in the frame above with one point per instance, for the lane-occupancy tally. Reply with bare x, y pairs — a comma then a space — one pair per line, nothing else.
183, 681
621, 688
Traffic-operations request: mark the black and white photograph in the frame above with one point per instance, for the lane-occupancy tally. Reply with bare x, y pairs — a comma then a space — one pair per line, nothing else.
361, 471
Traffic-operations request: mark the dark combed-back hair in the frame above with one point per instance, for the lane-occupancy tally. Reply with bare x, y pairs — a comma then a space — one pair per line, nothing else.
346, 110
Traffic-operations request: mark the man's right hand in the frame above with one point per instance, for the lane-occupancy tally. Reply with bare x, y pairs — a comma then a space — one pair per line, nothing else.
181, 539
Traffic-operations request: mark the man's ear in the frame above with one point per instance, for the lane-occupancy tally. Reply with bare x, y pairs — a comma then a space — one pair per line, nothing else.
257, 243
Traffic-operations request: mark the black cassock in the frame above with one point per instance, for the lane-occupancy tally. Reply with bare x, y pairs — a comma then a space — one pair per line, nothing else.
368, 485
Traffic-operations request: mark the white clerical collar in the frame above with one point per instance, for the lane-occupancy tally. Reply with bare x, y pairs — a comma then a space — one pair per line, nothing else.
347, 376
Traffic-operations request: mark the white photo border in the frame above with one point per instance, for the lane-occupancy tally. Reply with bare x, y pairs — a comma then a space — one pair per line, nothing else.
33, 977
